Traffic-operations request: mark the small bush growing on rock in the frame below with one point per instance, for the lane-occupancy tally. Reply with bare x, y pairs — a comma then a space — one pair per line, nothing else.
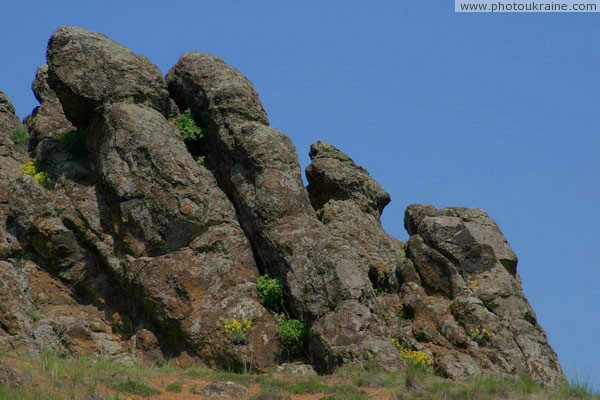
270, 291
20, 134
414, 358
42, 177
480, 335
187, 126
291, 333
237, 331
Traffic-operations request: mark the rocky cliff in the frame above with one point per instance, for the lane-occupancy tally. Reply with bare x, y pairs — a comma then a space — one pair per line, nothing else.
118, 241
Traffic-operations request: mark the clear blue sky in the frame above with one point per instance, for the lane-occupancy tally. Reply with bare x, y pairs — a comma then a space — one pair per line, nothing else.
497, 111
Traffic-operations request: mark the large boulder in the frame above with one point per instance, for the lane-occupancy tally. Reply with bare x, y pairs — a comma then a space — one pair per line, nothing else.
88, 70
471, 307
181, 244
451, 291
333, 176
157, 219
258, 168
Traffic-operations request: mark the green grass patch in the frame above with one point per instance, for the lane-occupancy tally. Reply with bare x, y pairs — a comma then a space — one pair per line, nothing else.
308, 386
135, 387
368, 375
196, 373
270, 394
174, 387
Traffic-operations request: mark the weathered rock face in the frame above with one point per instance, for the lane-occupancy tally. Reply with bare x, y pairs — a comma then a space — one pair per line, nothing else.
47, 120
139, 252
8, 119
455, 275
88, 70
141, 214
349, 202
468, 281
37, 311
257, 167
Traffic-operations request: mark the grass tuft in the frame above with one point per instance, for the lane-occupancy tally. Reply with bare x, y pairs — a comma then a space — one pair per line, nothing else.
174, 387
135, 387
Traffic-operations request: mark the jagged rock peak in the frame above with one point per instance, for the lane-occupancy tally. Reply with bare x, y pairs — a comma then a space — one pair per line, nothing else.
336, 176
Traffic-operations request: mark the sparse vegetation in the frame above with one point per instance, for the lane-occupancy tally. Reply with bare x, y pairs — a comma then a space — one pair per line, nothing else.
135, 387
197, 373
237, 330
174, 387
56, 378
480, 335
414, 358
31, 168
190, 131
291, 333
270, 291
20, 134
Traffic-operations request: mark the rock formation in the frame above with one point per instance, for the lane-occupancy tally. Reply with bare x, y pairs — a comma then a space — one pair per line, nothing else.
139, 252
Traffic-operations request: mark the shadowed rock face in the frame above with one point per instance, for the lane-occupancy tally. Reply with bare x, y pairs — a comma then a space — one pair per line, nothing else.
139, 252
38, 311
47, 120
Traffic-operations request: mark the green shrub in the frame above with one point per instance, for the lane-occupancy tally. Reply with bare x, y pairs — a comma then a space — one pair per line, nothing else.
270, 291
187, 126
20, 134
291, 333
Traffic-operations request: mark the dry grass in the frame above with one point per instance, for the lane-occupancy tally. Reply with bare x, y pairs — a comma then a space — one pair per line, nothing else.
50, 377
